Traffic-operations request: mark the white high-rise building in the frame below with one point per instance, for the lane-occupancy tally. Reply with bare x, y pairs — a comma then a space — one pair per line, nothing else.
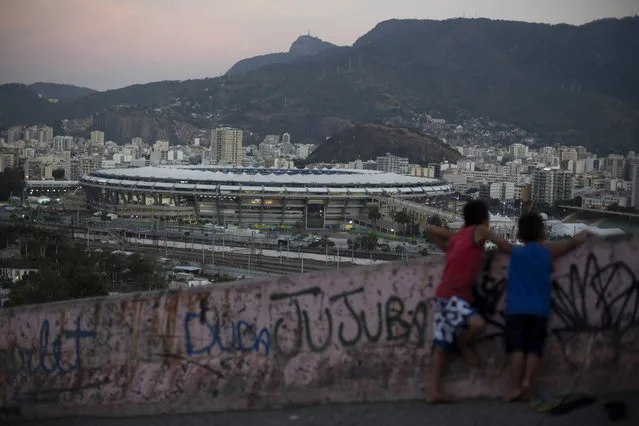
14, 134
518, 150
551, 185
62, 143
97, 136
45, 134
392, 164
502, 191
226, 146
615, 165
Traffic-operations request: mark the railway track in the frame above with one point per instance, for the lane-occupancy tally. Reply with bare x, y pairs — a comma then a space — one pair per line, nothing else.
254, 262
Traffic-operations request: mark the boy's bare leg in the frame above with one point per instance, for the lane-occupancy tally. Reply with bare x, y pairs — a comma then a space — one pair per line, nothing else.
475, 328
532, 360
467, 350
435, 396
516, 369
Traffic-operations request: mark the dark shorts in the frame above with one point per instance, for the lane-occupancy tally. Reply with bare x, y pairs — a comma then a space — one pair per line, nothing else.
526, 333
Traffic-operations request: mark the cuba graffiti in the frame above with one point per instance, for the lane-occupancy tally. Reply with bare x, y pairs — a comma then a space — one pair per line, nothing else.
226, 337
55, 353
392, 322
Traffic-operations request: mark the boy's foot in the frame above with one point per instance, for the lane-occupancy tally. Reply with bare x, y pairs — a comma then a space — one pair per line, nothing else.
526, 390
513, 395
469, 354
440, 398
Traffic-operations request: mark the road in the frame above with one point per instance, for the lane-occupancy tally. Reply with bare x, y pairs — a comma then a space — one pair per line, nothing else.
470, 413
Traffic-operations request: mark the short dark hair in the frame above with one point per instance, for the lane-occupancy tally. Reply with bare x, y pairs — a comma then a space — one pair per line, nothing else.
531, 227
475, 213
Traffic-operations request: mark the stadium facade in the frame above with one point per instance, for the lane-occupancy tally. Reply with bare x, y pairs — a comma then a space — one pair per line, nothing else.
248, 196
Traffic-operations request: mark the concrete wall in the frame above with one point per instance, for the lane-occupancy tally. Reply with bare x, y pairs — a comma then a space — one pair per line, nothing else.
356, 334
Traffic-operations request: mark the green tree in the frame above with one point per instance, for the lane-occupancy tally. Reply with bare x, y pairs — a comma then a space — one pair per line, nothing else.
11, 183
298, 228
367, 241
67, 271
144, 274
58, 174
73, 277
374, 214
402, 218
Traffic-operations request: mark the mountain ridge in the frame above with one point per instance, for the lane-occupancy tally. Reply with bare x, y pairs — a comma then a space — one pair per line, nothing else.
569, 84
59, 91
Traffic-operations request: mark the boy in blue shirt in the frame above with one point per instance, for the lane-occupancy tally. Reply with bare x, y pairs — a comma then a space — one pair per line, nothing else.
528, 300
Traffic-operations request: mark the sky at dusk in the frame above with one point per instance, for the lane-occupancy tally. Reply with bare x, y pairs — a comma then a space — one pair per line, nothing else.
106, 44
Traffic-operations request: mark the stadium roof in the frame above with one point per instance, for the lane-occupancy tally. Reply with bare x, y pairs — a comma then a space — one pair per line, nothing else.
311, 177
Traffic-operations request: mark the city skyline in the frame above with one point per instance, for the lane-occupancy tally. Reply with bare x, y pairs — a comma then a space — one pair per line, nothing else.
107, 44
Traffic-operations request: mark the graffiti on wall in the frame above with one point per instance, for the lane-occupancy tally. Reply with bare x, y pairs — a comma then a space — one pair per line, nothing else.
224, 336
595, 315
595, 308
488, 299
392, 322
48, 357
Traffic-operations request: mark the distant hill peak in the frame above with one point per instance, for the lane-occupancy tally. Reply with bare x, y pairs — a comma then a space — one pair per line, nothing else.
303, 47
306, 45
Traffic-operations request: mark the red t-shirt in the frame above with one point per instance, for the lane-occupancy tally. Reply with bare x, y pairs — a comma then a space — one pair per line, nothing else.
464, 259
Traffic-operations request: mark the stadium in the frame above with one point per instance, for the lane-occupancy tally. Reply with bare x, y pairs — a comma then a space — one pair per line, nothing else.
248, 197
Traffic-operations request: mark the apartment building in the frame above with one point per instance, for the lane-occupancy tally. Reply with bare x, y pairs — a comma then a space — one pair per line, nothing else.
62, 143
37, 169
226, 146
551, 185
392, 164
97, 136
80, 166
504, 191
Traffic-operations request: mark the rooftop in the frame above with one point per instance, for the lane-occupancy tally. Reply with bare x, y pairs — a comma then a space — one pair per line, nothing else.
194, 174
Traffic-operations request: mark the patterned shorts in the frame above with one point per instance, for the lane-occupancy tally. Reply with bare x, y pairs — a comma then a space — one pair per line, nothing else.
450, 320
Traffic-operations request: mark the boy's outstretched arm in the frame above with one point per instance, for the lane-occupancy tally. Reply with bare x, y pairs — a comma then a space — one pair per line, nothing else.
439, 236
483, 233
560, 248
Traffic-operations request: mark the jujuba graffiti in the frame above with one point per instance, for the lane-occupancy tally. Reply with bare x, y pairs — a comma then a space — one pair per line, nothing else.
390, 322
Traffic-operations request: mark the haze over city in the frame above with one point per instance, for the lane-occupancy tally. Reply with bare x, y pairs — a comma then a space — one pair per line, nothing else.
105, 44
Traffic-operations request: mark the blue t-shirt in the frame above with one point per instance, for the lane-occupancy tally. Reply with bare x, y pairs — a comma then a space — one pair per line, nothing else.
528, 288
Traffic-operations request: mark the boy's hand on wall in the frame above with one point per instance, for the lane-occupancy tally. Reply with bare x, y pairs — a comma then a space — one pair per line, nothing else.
582, 236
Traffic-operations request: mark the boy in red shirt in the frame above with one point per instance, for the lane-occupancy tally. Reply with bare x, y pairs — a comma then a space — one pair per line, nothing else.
455, 321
